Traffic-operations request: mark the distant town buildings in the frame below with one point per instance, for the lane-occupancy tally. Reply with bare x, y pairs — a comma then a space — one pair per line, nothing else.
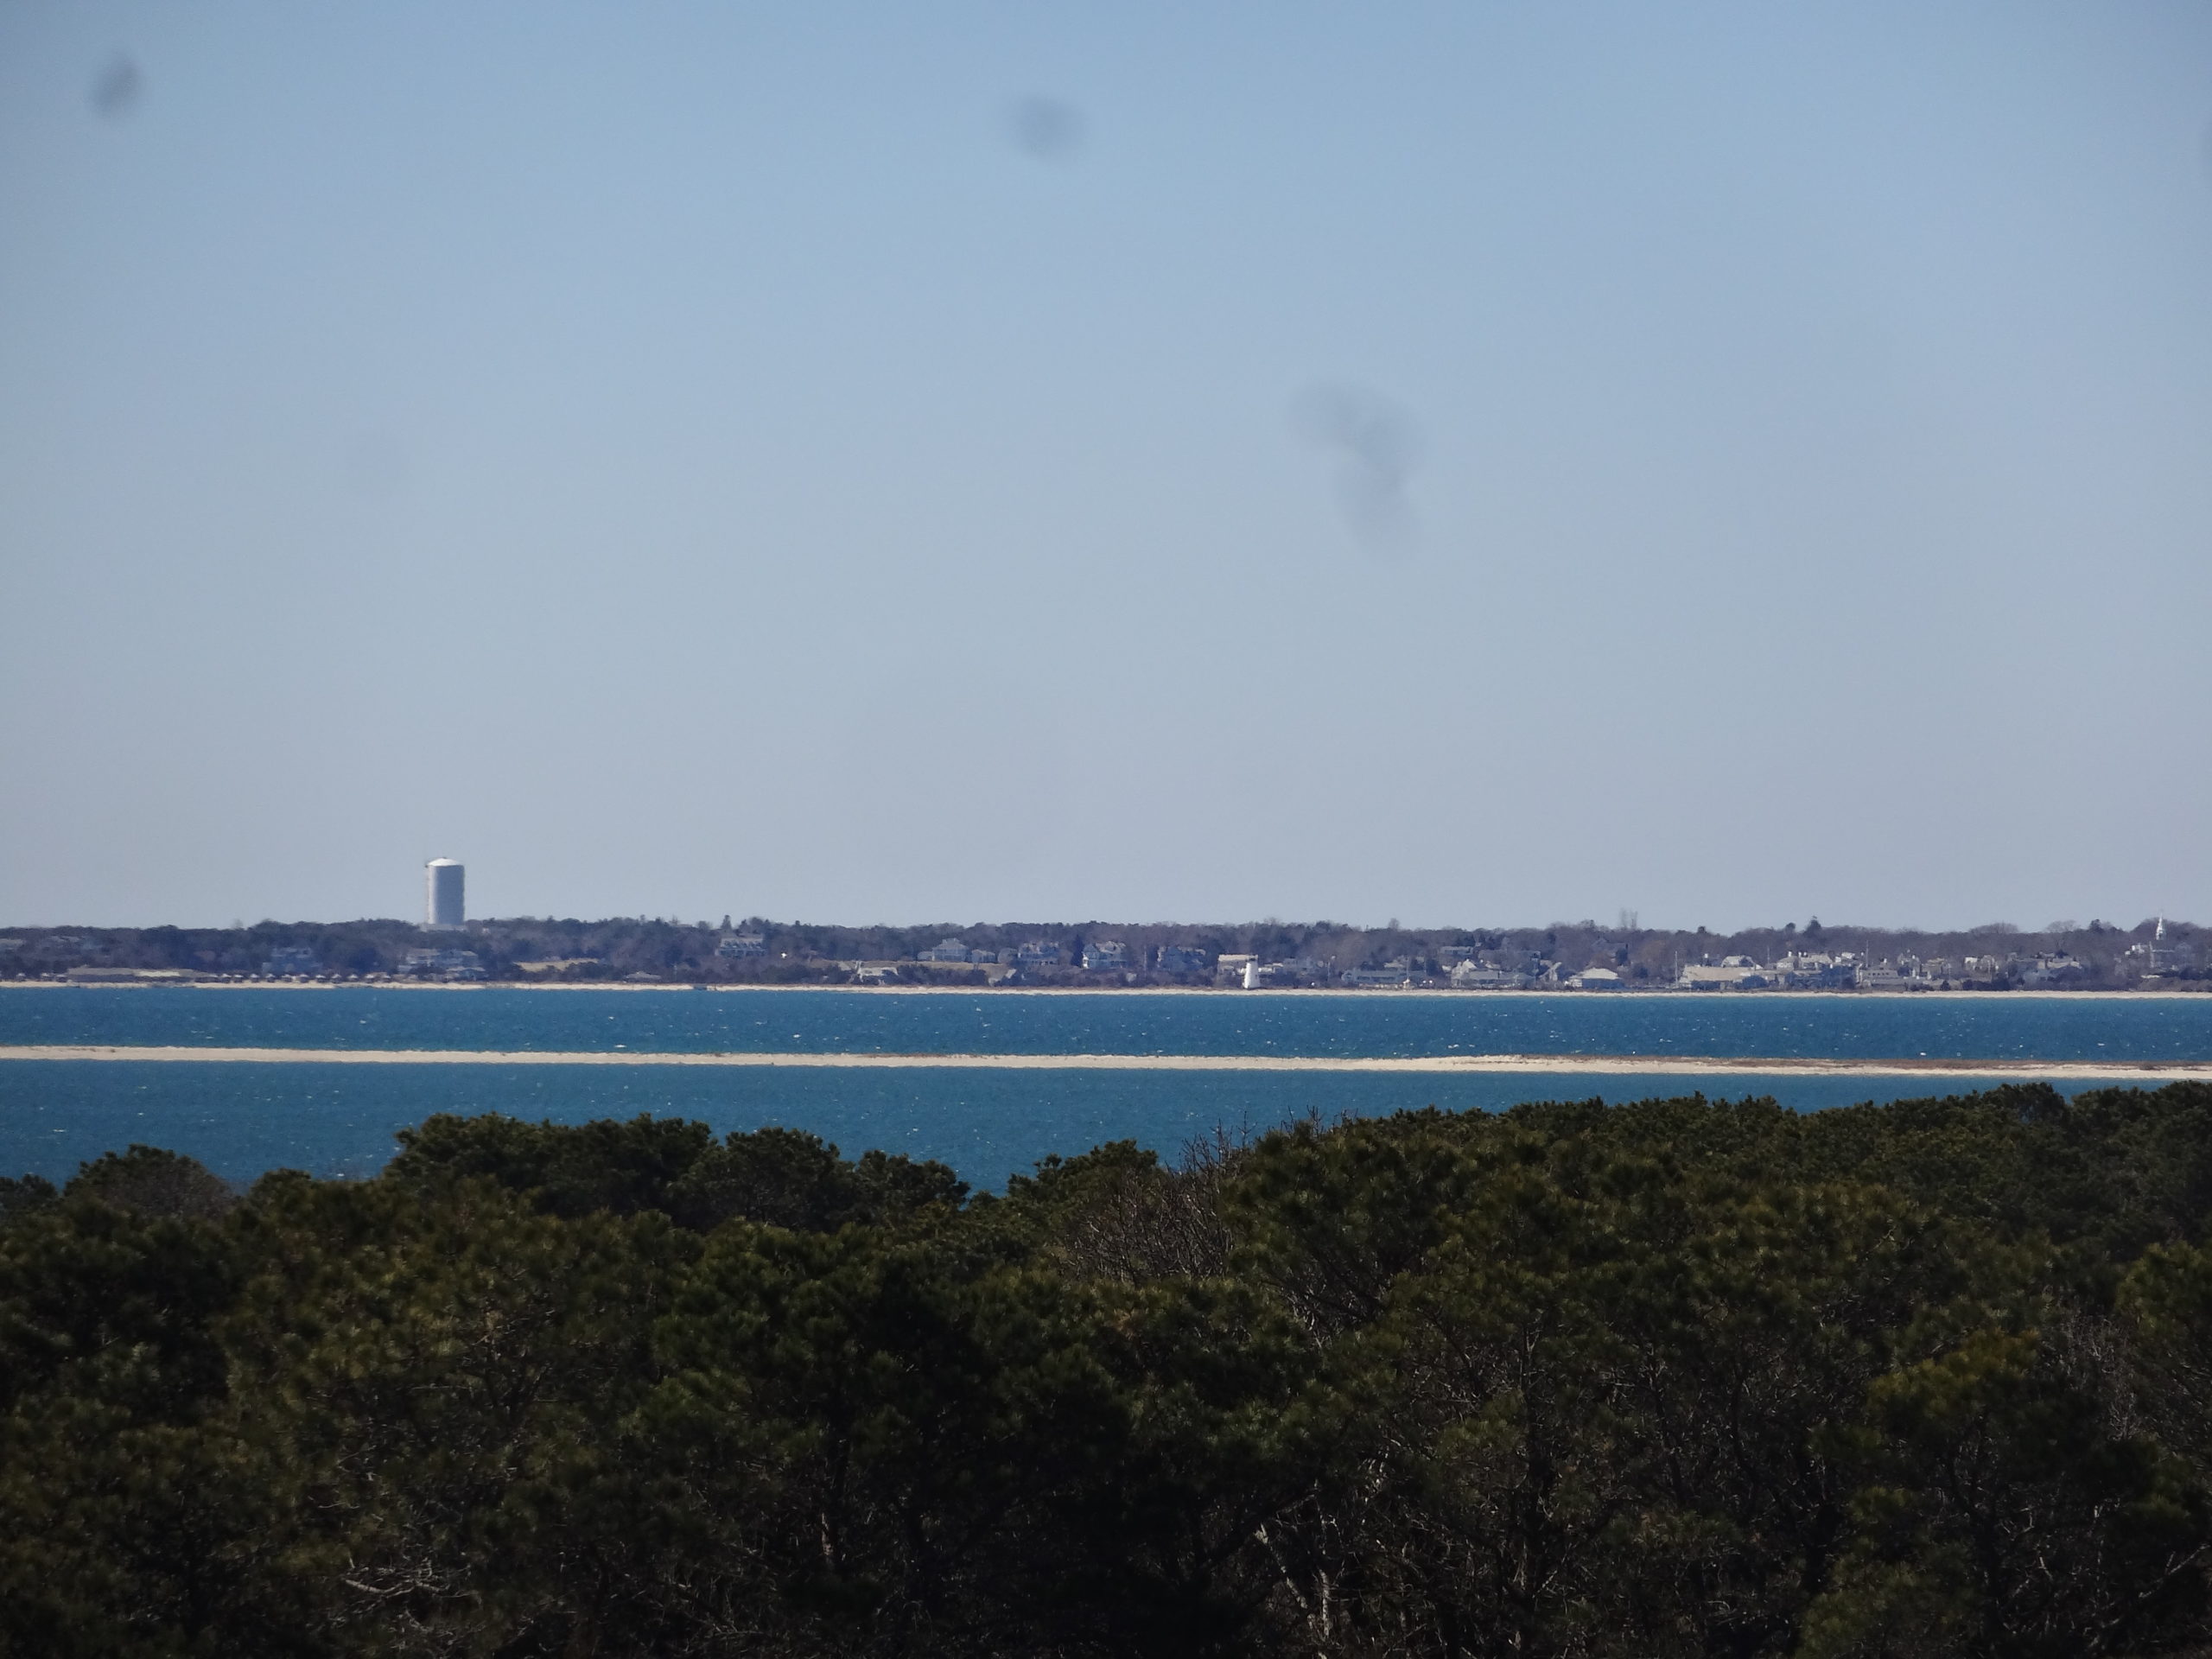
2163, 956
1106, 956
1471, 973
1729, 974
1571, 958
1795, 970
1815, 970
448, 963
1399, 971
1806, 970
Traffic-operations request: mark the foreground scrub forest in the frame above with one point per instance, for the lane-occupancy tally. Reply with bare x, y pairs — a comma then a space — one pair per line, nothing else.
1676, 1377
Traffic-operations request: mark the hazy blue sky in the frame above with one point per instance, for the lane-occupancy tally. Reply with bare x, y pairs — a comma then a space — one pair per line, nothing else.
1468, 463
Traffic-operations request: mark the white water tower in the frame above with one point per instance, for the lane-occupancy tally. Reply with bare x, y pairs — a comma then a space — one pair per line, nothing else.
441, 902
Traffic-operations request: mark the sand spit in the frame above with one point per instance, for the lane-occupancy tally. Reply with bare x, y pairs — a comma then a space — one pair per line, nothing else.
1599, 1064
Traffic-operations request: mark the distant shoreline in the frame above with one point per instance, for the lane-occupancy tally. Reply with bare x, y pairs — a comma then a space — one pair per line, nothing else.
1363, 993
1491, 1064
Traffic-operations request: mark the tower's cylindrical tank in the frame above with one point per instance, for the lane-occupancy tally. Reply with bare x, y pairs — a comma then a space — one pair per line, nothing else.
441, 903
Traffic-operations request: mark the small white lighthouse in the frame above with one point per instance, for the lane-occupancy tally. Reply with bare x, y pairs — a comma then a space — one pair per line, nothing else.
442, 901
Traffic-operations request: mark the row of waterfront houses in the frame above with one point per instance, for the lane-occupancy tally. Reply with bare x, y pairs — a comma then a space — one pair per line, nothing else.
1847, 971
2153, 962
1470, 968
1803, 970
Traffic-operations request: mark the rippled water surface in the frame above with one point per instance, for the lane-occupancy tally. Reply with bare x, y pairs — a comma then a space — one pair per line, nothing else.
1011, 1022
336, 1118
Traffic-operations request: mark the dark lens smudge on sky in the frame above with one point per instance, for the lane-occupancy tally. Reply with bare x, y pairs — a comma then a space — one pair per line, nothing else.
1375, 445
117, 87
1046, 128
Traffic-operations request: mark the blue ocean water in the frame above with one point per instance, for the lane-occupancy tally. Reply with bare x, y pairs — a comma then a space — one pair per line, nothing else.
1011, 1022
242, 1119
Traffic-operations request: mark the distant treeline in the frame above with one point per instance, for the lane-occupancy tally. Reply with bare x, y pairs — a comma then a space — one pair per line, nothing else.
2094, 955
1675, 1378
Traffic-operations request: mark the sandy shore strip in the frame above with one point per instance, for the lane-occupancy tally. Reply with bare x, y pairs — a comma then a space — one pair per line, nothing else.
1598, 1064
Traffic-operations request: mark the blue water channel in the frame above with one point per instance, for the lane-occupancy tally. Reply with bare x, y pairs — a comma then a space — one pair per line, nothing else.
1350, 1025
242, 1119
